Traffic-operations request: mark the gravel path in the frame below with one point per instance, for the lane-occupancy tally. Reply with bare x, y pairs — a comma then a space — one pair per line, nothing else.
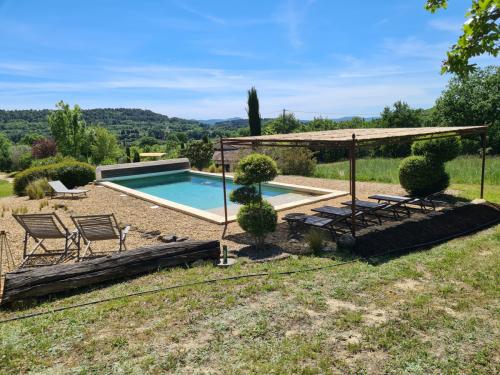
143, 218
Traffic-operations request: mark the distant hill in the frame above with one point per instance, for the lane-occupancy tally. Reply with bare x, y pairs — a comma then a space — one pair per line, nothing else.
221, 120
128, 123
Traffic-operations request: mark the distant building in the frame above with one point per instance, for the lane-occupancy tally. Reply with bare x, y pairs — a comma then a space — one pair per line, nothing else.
232, 155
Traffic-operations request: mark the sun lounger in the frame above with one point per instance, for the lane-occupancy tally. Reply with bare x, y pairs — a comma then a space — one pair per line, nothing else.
42, 227
341, 214
99, 228
296, 221
59, 189
374, 209
423, 203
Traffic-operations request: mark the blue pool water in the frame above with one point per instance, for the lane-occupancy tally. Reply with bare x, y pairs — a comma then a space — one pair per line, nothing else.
190, 189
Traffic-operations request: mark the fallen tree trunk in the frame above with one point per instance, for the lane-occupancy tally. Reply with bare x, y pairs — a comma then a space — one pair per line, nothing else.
36, 282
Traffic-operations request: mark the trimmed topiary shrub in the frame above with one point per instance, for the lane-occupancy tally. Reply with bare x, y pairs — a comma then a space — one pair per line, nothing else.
258, 219
422, 176
245, 195
70, 174
255, 169
439, 150
257, 216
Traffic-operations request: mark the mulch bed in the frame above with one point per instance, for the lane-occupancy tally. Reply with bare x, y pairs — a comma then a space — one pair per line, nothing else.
421, 231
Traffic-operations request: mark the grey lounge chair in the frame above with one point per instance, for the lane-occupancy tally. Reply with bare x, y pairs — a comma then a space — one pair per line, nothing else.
376, 209
296, 221
59, 189
42, 227
99, 228
341, 214
424, 202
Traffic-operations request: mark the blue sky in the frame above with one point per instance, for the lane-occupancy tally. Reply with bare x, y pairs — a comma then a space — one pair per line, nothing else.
196, 59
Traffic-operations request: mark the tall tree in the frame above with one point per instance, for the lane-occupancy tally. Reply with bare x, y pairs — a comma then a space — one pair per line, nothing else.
402, 116
481, 33
68, 129
473, 101
104, 145
253, 112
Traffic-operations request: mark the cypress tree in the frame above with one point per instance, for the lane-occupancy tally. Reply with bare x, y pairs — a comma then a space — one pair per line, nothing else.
253, 112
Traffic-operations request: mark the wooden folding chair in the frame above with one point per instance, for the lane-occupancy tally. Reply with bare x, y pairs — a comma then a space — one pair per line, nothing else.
99, 228
43, 227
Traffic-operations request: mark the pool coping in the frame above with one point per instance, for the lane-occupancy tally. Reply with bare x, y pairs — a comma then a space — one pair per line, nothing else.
321, 194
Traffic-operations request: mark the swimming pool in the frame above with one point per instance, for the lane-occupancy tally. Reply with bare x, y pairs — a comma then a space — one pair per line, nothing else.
200, 194
198, 191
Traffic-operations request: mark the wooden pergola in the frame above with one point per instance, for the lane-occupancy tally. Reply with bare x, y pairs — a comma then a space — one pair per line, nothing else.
352, 139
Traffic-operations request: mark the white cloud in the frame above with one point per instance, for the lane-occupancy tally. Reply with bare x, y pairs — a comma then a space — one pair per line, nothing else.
415, 48
444, 24
204, 92
207, 16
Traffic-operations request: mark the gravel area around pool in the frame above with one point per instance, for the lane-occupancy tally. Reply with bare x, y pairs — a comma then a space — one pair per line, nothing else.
145, 217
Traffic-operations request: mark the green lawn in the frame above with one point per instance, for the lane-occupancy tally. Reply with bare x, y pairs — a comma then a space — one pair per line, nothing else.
465, 173
435, 311
5, 188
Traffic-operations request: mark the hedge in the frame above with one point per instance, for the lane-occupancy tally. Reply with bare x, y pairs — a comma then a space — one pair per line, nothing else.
70, 173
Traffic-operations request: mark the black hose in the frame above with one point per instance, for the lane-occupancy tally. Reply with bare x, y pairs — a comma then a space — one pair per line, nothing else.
251, 275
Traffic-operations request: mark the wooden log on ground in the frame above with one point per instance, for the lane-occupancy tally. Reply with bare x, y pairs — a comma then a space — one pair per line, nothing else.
41, 281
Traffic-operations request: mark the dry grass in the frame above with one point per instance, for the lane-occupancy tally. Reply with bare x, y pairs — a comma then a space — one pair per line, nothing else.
427, 312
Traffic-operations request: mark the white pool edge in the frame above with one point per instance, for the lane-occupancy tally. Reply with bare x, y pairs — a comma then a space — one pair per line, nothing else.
320, 195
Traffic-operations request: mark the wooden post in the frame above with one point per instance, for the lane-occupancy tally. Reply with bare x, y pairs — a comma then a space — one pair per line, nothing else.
223, 178
353, 185
483, 144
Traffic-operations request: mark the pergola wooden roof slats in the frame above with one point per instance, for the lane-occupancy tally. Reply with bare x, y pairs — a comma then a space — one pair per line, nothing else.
343, 137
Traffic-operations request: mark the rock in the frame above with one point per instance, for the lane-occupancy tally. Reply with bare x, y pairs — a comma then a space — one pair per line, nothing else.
168, 238
151, 234
478, 201
182, 239
293, 240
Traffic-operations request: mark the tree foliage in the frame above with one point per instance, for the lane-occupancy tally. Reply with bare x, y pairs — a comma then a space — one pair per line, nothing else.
5, 161
253, 112
103, 145
401, 116
474, 100
68, 129
43, 148
199, 153
284, 124
480, 35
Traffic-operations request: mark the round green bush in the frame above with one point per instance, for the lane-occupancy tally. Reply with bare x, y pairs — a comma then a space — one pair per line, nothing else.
422, 176
439, 150
255, 169
70, 173
258, 219
245, 195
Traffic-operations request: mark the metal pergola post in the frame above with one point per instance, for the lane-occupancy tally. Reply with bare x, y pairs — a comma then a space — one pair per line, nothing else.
483, 165
223, 178
353, 185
